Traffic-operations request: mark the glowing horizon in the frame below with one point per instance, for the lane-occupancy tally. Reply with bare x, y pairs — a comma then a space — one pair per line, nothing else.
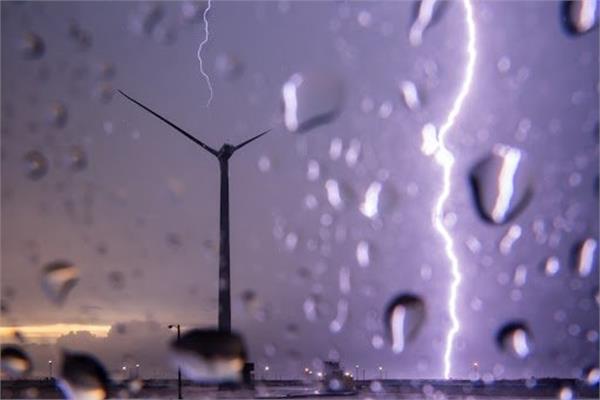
50, 332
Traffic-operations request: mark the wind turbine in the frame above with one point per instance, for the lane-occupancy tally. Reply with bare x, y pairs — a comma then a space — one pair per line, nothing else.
223, 155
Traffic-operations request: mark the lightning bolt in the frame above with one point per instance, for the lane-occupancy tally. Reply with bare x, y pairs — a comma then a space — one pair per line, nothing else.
444, 157
199, 54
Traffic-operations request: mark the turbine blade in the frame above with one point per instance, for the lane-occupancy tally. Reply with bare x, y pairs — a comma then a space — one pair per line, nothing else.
239, 146
192, 138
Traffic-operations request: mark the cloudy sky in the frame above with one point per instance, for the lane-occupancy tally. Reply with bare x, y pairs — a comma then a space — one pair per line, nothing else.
138, 217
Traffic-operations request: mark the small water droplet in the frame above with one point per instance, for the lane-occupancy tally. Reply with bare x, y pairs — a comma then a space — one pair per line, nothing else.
363, 254
344, 278
337, 194
58, 279
580, 16
410, 95
264, 164
337, 324
313, 170
551, 266
353, 153
57, 115
76, 159
311, 308
15, 362
335, 148
378, 199
514, 338
31, 46
520, 277
585, 257
501, 184
81, 37
146, 18
36, 165
116, 279
192, 11
253, 306
511, 236
82, 376
209, 356
103, 92
228, 66
310, 100
404, 317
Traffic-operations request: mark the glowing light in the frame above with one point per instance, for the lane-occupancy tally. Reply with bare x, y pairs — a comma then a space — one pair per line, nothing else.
445, 158
398, 316
42, 333
199, 54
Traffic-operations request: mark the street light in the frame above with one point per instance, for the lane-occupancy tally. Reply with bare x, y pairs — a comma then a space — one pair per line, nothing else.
381, 372
356, 368
50, 368
178, 369
137, 370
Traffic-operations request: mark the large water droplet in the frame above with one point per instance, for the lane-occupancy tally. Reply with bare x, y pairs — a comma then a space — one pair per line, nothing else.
210, 356
591, 375
58, 278
310, 100
501, 184
514, 338
585, 256
426, 13
404, 317
83, 377
338, 194
580, 16
31, 46
36, 164
15, 363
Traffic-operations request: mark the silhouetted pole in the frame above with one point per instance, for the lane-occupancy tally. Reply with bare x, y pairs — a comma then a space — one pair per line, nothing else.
223, 155
224, 266
178, 369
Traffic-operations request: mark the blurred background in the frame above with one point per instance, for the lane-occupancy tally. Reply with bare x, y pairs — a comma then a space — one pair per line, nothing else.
331, 213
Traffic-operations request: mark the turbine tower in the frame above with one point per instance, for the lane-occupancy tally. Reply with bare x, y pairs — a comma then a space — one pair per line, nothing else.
223, 155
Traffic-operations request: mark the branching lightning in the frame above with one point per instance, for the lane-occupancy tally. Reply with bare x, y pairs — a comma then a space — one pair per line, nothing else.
199, 54
445, 158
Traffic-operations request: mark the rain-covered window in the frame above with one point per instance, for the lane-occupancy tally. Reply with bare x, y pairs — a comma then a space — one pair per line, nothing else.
285, 198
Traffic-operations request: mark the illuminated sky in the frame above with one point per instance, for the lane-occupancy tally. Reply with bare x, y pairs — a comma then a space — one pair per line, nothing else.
140, 220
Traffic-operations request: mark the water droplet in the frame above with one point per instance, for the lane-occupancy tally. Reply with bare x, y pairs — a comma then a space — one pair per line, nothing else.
291, 241
378, 199
264, 164
313, 170
116, 279
410, 95
580, 16
253, 306
174, 240
228, 66
426, 13
520, 277
585, 256
58, 278
404, 317
385, 110
76, 159
103, 92
31, 46
192, 11
335, 148
514, 338
353, 153
310, 100
551, 266
591, 375
501, 184
209, 356
344, 278
336, 194
310, 307
146, 18
36, 164
340, 319
566, 393
83, 377
429, 144
57, 115
15, 363
81, 37
511, 236
363, 254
